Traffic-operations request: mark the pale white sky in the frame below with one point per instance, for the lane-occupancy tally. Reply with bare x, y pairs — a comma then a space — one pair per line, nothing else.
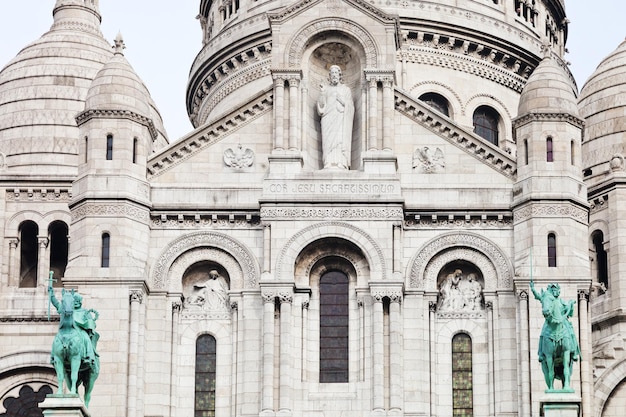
163, 37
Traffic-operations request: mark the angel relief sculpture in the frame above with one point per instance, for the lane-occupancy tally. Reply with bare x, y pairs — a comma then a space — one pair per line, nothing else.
211, 295
461, 292
428, 161
239, 158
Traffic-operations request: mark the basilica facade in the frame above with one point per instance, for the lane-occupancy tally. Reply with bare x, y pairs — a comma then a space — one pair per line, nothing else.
351, 229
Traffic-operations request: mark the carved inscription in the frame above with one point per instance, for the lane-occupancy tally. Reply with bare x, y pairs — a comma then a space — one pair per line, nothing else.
330, 188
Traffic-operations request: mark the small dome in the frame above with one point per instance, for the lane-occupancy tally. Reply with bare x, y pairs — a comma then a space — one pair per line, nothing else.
548, 90
603, 101
117, 87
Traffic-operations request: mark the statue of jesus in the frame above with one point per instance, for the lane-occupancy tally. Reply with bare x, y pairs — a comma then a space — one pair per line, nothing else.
336, 110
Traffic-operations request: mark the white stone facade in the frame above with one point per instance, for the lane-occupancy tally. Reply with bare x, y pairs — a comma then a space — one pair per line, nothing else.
437, 227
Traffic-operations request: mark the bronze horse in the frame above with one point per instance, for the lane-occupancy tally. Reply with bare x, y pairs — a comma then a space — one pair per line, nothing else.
69, 351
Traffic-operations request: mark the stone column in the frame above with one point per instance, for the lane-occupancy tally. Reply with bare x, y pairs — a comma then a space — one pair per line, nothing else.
136, 298
43, 262
373, 113
279, 109
305, 337
396, 385
388, 112
378, 375
286, 356
584, 330
397, 248
491, 367
234, 308
14, 264
432, 311
177, 306
267, 400
294, 106
525, 406
267, 247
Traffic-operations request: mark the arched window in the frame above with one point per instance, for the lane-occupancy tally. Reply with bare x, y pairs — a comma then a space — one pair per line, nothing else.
572, 153
86, 149
109, 147
29, 254
602, 267
486, 122
525, 150
106, 250
462, 384
437, 102
58, 248
551, 250
204, 404
549, 153
135, 144
26, 404
334, 327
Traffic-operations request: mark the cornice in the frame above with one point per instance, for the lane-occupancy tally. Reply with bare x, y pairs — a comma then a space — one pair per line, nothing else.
461, 138
87, 115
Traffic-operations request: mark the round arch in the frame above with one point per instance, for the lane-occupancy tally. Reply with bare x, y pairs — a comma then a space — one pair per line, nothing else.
195, 255
606, 384
285, 267
425, 265
248, 264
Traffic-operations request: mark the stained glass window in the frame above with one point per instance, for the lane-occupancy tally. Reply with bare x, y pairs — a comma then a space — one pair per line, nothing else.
486, 122
205, 376
462, 385
334, 327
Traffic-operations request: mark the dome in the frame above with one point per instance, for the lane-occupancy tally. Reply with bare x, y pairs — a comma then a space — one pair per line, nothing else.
603, 101
548, 90
46, 84
117, 87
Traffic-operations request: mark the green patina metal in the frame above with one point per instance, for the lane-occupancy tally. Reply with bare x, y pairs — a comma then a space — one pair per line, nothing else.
74, 353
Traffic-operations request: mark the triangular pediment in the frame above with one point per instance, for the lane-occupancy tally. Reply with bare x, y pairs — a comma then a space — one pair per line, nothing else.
289, 12
209, 134
458, 136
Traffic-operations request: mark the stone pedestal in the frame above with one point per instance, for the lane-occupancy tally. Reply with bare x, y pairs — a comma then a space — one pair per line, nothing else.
63, 405
560, 404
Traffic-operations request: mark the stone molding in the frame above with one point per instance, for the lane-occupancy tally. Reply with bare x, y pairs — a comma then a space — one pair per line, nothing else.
204, 221
209, 135
290, 250
284, 13
90, 114
490, 259
462, 315
599, 204
547, 117
127, 210
56, 145
460, 221
76, 26
297, 45
463, 63
29, 319
245, 259
468, 142
551, 210
344, 213
38, 195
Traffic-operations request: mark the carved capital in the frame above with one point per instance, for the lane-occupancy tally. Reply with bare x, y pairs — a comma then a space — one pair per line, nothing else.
432, 306
583, 295
13, 243
234, 305
43, 242
285, 297
305, 304
489, 305
177, 306
136, 296
523, 295
268, 297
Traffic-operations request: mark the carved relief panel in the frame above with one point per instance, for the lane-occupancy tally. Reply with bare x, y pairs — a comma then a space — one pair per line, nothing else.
460, 286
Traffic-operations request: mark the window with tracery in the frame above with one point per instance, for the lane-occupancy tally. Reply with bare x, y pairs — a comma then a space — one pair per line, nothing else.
462, 383
334, 327
204, 400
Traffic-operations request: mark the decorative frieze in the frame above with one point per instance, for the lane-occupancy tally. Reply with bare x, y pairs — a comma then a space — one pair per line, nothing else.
344, 213
458, 221
204, 221
110, 210
90, 114
551, 210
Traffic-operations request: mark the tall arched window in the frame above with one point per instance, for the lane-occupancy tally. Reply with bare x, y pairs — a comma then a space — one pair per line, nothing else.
551, 250
526, 150
86, 149
437, 102
486, 122
572, 153
109, 147
462, 383
135, 144
106, 250
204, 403
549, 151
334, 327
58, 248
602, 268
29, 254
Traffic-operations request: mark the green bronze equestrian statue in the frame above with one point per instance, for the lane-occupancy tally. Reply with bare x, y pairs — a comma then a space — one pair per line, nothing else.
74, 353
558, 347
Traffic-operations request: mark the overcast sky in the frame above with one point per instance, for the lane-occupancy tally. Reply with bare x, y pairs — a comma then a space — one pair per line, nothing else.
163, 37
